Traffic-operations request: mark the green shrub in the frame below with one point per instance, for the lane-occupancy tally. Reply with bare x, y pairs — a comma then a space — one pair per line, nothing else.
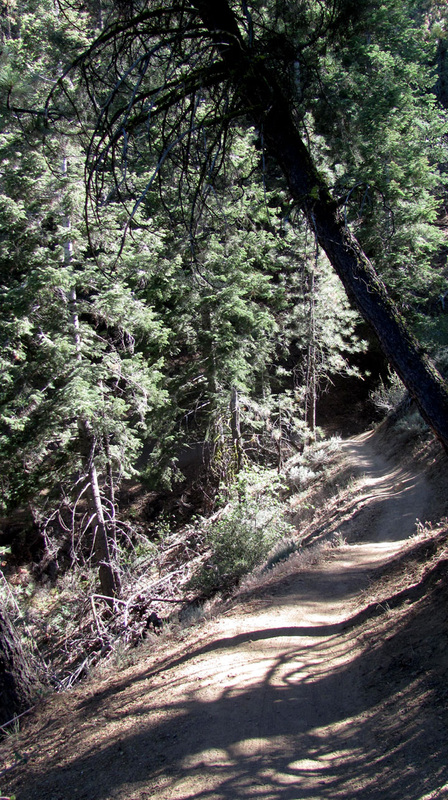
411, 425
283, 550
252, 522
388, 394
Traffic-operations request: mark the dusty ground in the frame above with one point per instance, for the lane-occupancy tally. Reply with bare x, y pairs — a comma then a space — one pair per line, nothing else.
329, 682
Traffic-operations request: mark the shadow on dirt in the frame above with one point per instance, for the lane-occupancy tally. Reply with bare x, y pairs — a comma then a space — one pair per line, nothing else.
353, 709
270, 740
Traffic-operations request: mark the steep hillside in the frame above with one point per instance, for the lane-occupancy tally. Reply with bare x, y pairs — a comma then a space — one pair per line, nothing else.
322, 678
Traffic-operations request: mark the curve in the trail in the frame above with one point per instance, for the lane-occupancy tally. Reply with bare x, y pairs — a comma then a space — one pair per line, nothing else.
266, 702
392, 500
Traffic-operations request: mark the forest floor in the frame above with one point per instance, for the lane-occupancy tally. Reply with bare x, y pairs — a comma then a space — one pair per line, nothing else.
327, 680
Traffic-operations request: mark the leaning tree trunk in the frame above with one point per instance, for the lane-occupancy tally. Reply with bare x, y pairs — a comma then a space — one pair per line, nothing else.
18, 677
262, 94
357, 274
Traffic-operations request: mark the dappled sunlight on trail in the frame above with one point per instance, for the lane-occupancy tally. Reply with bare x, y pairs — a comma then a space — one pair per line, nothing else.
268, 701
382, 483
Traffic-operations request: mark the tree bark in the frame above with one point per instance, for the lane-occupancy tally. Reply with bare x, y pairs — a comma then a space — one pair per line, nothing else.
108, 576
310, 379
112, 525
109, 579
270, 111
18, 678
235, 425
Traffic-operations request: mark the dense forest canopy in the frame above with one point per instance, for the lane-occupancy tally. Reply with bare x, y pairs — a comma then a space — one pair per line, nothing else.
186, 191
178, 78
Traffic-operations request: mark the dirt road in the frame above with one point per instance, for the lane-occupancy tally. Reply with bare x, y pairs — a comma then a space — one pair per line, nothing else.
269, 701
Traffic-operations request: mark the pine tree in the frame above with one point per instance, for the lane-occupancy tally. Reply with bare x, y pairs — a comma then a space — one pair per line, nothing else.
81, 353
248, 66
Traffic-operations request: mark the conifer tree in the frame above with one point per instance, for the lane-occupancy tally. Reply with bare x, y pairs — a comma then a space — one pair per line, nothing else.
81, 354
232, 60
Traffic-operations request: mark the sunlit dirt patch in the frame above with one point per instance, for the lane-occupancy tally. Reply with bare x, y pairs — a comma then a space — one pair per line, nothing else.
328, 683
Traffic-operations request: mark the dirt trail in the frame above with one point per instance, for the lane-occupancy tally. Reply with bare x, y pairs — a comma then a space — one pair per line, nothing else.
268, 701
400, 497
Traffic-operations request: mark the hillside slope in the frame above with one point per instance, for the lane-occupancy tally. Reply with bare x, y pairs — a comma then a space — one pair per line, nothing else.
326, 681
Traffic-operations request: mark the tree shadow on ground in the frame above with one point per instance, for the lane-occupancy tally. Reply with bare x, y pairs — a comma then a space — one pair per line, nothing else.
304, 731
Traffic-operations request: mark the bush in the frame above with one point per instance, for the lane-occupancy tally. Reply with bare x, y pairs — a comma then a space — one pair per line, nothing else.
411, 425
388, 395
242, 538
282, 551
306, 467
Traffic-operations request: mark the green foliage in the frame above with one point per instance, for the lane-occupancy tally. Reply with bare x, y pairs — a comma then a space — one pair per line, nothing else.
410, 426
378, 132
217, 283
432, 330
77, 340
388, 394
309, 465
241, 538
112, 378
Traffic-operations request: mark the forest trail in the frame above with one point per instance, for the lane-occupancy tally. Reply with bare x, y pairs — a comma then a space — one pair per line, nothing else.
269, 701
394, 498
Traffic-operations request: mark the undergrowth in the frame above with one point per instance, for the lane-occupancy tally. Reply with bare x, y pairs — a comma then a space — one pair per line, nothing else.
242, 536
168, 570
